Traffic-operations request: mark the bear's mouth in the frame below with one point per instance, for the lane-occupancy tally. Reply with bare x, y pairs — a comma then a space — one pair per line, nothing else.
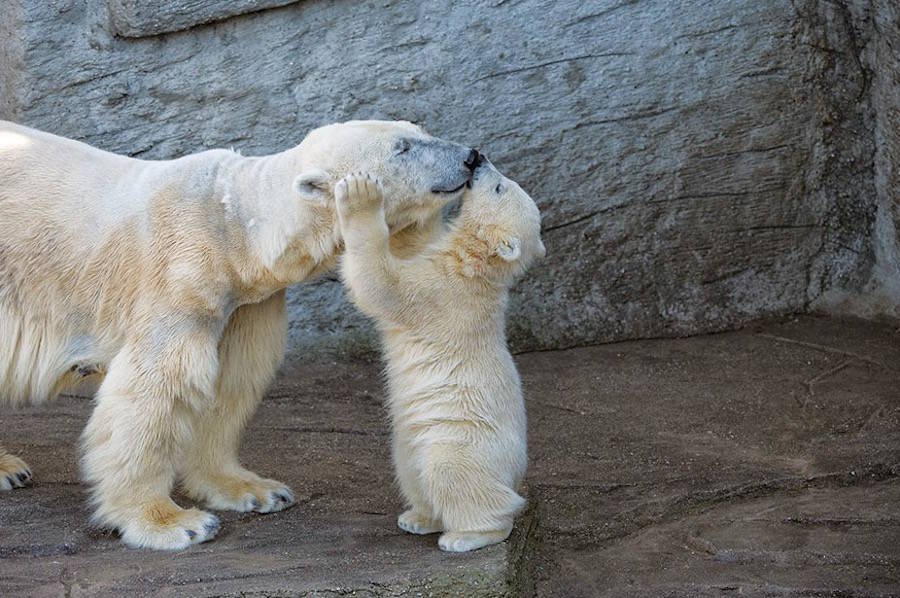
465, 183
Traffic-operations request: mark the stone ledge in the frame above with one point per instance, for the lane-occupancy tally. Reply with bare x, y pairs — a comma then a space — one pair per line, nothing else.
135, 18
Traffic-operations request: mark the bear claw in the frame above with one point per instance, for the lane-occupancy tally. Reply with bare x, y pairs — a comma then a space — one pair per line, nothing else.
212, 526
14, 473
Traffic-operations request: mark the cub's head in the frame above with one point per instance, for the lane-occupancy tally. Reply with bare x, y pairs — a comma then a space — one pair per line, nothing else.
502, 224
420, 173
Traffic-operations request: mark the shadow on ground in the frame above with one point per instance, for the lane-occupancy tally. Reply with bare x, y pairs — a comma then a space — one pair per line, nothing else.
758, 462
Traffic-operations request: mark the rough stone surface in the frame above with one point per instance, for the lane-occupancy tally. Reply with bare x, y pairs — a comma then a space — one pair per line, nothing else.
12, 62
877, 27
757, 463
885, 66
698, 165
763, 462
325, 436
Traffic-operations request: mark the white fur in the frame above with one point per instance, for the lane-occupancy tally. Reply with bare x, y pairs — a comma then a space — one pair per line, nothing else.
458, 418
166, 281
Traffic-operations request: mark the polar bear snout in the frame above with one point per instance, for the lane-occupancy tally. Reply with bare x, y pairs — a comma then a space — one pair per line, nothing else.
451, 164
473, 160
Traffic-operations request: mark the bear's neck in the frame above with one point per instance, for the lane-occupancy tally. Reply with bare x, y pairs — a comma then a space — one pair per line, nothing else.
285, 239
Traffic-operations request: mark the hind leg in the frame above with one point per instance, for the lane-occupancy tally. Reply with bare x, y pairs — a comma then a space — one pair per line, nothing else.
250, 352
14, 473
476, 508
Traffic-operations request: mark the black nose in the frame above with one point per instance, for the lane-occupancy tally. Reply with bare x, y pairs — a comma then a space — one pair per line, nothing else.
473, 160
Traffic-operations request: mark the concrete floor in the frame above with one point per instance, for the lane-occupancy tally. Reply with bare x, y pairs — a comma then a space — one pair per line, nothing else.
758, 462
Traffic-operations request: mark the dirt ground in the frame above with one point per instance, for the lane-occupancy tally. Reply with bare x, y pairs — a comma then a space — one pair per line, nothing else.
757, 462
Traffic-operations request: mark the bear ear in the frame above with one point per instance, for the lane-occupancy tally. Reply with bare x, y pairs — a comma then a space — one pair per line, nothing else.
313, 185
509, 249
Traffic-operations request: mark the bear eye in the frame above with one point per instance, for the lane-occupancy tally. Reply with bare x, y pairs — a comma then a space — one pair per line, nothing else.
499, 188
401, 147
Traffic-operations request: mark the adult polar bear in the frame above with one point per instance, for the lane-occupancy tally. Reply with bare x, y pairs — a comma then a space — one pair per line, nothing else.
167, 278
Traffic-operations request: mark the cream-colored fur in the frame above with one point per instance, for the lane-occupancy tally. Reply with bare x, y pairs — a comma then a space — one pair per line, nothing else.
14, 473
457, 414
166, 281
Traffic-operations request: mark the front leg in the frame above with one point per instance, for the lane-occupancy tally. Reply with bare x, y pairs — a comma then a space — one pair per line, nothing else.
250, 352
369, 269
139, 428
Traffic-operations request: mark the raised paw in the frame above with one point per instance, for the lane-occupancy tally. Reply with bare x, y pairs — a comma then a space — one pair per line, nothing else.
243, 491
415, 522
14, 473
466, 541
163, 525
358, 192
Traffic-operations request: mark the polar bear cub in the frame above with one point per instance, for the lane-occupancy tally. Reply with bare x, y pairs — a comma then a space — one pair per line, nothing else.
455, 399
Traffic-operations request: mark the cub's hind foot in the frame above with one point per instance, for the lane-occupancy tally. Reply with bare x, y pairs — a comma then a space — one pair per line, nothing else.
415, 522
466, 541
14, 473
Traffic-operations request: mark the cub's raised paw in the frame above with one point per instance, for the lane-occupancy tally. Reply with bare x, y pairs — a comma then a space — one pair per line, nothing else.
466, 541
14, 473
358, 192
417, 523
163, 525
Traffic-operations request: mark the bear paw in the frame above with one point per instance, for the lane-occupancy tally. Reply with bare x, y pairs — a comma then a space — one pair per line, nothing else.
243, 492
163, 525
466, 541
358, 193
14, 473
415, 522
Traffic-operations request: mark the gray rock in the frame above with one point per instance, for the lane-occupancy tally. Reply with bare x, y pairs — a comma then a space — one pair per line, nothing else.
698, 165
12, 60
133, 18
876, 35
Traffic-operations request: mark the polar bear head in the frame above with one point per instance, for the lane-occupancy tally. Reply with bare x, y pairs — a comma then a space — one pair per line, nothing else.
499, 226
420, 173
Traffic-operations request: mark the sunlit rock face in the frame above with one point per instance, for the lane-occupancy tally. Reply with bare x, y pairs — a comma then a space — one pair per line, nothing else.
698, 165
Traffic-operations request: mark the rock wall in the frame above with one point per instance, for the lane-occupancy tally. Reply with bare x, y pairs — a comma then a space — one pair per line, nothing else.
884, 64
698, 166
876, 28
12, 63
